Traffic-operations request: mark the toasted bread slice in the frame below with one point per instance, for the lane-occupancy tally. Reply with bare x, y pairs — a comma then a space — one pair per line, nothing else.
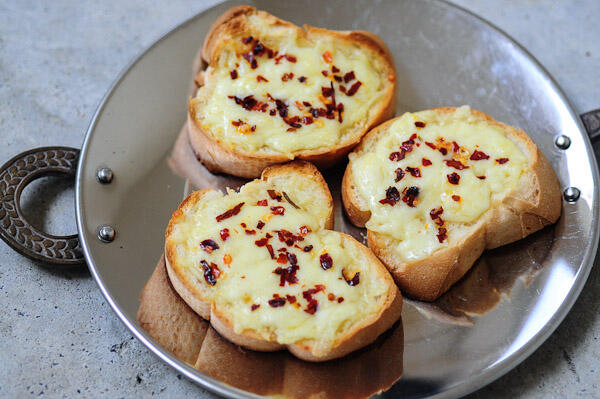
263, 267
273, 92
437, 187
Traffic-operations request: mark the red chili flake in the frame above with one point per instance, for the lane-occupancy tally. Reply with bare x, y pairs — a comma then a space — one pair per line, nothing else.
290, 58
248, 102
478, 155
407, 145
391, 196
425, 162
442, 234
343, 88
254, 307
231, 212
276, 302
282, 108
307, 248
224, 234
353, 89
313, 304
337, 78
455, 146
340, 299
262, 242
288, 237
304, 230
271, 252
414, 172
443, 151
456, 198
410, 194
234, 74
290, 298
354, 280
250, 232
327, 91
263, 202
397, 156
260, 224
211, 272
302, 79
274, 195
430, 145
399, 174
481, 177
307, 120
453, 178
261, 78
287, 76
326, 261
502, 161
277, 210
287, 274
335, 69
209, 246
325, 73
244, 225
453, 163
349, 77
331, 297
420, 124
251, 60
247, 40
272, 112
436, 213
327, 57
306, 103
237, 123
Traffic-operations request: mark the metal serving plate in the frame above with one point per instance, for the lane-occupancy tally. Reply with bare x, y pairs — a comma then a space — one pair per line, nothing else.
444, 56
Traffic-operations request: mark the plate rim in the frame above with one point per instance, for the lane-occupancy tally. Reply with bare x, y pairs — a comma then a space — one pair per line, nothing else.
487, 375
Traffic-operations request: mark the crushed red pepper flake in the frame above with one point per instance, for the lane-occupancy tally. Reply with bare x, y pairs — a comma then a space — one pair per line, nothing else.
481, 177
209, 246
274, 195
287, 76
399, 174
456, 164
392, 196
348, 77
409, 196
420, 124
276, 302
262, 202
326, 261
502, 161
302, 79
431, 145
353, 89
414, 172
234, 74
224, 233
307, 248
254, 307
478, 156
453, 178
455, 146
277, 210
211, 272
426, 162
456, 198
442, 234
260, 224
261, 78
327, 57
231, 212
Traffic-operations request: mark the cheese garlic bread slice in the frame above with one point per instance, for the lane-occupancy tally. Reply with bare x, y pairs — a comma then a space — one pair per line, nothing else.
273, 92
437, 187
262, 265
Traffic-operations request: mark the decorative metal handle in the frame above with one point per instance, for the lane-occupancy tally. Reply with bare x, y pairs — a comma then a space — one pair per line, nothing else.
15, 230
591, 121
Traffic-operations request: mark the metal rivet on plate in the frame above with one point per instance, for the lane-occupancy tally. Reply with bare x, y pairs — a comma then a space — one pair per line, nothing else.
106, 233
563, 142
571, 194
105, 175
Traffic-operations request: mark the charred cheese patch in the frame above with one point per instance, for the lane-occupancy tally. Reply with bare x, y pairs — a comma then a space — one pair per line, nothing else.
283, 276
432, 175
277, 90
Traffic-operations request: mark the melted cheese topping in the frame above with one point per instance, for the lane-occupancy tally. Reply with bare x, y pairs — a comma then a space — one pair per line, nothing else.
247, 279
296, 82
484, 182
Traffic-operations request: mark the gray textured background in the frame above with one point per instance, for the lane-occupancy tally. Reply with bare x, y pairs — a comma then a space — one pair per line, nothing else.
58, 337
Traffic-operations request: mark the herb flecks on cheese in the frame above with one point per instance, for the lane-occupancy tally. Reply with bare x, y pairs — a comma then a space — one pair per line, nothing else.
277, 90
432, 175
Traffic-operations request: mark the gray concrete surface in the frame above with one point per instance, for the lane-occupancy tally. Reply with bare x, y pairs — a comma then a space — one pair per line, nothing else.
58, 337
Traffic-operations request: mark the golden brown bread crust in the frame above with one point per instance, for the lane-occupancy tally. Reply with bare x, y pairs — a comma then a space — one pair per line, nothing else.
361, 335
218, 158
533, 204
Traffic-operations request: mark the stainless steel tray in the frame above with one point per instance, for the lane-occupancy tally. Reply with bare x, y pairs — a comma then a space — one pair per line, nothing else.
506, 307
